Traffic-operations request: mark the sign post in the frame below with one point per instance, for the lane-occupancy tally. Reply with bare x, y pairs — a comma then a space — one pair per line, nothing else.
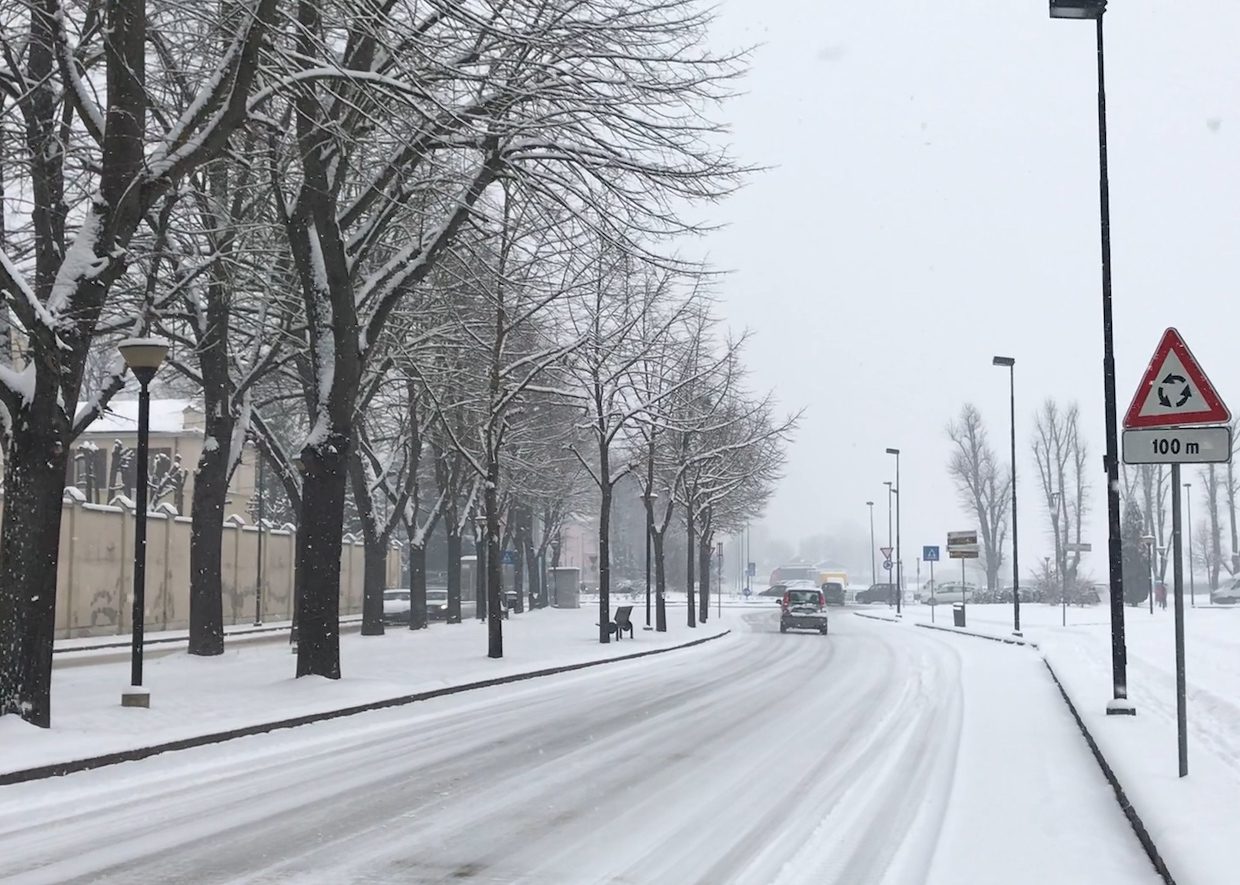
962, 546
1164, 426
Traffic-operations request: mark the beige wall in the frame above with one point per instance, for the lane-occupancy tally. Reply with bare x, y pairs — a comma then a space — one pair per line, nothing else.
95, 576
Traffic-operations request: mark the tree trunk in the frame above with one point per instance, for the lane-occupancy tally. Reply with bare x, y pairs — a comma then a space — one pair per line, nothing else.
495, 574
417, 588
518, 566
531, 565
318, 540
374, 582
34, 483
206, 532
1216, 541
692, 552
660, 583
604, 560
454, 573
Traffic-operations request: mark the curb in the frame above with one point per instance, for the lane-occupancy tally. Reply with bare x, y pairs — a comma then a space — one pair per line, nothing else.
1138, 826
1007, 640
58, 769
875, 618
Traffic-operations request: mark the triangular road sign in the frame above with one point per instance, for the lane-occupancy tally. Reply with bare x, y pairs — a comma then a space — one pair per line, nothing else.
886, 551
1174, 390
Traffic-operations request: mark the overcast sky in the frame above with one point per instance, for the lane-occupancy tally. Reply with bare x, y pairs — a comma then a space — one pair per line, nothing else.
934, 201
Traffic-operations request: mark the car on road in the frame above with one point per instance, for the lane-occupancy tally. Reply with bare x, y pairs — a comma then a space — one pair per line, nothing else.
948, 593
878, 593
1229, 595
803, 608
833, 592
397, 603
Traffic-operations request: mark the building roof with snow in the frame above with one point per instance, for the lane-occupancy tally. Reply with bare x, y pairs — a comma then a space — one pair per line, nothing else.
168, 416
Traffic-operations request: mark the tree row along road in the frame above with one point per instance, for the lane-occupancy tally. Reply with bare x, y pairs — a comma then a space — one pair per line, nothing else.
756, 759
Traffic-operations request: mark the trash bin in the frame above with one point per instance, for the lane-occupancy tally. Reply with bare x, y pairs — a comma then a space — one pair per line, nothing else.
958, 614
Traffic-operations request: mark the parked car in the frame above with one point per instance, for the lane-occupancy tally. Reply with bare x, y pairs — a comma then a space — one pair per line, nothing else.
833, 592
397, 604
883, 593
436, 604
803, 608
948, 593
1228, 595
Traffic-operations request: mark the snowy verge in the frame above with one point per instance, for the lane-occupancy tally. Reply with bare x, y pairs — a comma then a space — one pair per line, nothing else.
250, 689
965, 631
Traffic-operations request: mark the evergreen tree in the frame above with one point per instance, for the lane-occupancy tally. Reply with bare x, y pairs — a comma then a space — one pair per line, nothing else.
1136, 556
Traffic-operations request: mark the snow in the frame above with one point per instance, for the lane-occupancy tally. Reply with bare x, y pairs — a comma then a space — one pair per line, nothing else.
253, 683
1191, 820
21, 383
878, 754
80, 261
121, 417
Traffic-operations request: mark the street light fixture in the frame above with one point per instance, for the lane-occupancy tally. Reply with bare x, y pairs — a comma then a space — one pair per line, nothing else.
899, 562
1009, 363
1119, 703
143, 357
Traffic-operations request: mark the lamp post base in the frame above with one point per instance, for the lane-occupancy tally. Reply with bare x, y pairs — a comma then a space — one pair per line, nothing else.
136, 696
1121, 707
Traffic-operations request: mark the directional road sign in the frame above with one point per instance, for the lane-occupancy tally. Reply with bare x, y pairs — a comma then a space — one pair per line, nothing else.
887, 564
886, 551
1174, 390
962, 545
930, 553
1177, 445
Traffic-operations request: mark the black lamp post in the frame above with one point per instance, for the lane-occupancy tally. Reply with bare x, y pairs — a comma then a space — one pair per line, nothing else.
873, 553
480, 568
1010, 364
890, 491
1119, 703
143, 357
648, 500
899, 561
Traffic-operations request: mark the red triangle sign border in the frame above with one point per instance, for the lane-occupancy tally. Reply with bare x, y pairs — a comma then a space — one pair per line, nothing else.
1215, 412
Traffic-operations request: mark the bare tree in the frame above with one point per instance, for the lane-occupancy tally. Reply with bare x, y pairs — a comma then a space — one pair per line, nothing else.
1061, 455
984, 490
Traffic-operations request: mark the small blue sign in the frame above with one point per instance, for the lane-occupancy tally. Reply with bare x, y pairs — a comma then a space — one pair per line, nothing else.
887, 564
930, 554
753, 569
746, 592
508, 557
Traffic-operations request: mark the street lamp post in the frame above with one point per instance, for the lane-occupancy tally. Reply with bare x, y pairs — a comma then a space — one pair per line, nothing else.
1119, 703
1192, 584
891, 490
1010, 364
480, 570
648, 500
899, 561
873, 552
143, 357
258, 564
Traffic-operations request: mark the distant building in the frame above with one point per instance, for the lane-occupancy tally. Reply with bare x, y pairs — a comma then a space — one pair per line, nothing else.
103, 464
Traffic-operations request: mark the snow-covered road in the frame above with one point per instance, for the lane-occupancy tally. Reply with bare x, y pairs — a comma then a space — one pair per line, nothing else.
865, 756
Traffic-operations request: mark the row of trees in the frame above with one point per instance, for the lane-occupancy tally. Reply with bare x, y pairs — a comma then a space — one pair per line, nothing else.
422, 254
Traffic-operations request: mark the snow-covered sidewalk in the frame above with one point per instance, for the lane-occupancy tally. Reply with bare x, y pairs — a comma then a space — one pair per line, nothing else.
1191, 820
252, 682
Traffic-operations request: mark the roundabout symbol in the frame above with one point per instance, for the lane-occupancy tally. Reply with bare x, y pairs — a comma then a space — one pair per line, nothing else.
1173, 380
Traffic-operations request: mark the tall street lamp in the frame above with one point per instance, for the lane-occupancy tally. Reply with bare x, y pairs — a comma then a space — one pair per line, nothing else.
480, 569
648, 500
873, 552
1192, 584
1010, 364
899, 562
1119, 703
891, 489
143, 357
